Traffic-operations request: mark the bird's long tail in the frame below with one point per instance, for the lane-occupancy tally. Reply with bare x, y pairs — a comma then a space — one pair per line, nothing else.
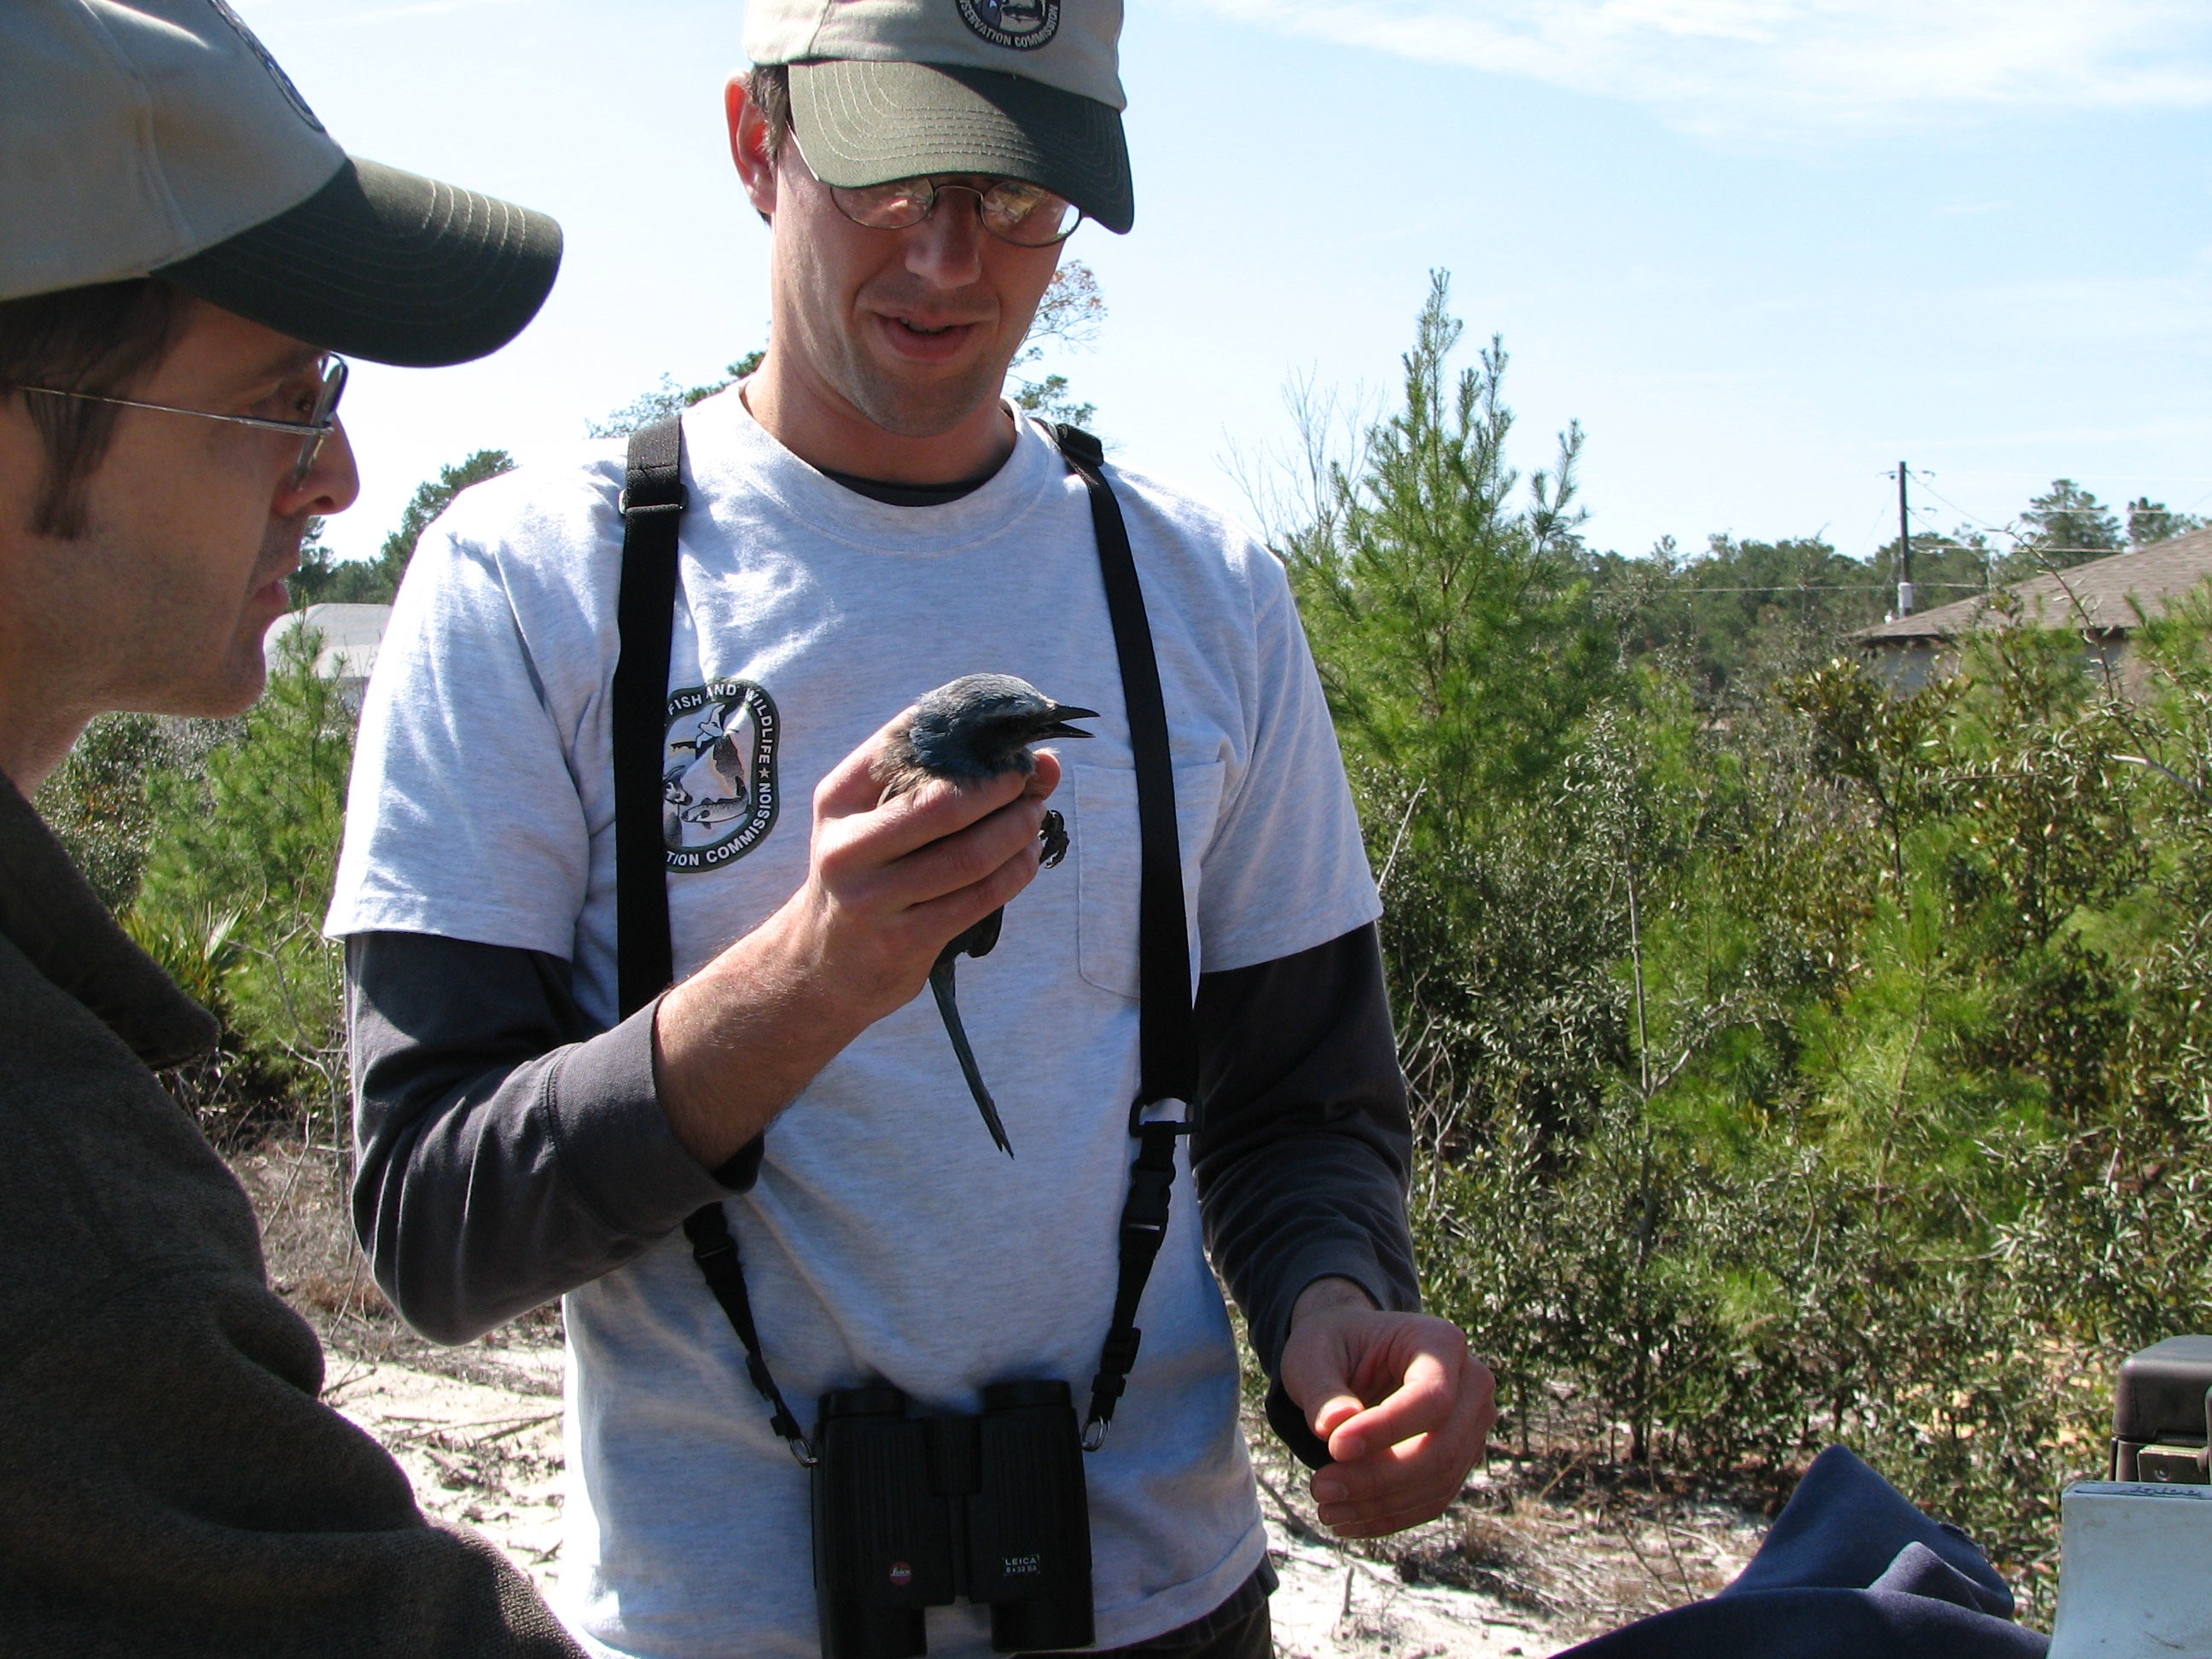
940, 983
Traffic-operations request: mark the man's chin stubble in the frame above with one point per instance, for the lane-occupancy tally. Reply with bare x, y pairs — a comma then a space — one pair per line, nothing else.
906, 410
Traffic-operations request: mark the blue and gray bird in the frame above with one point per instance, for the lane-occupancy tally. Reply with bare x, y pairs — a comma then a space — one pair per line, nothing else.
977, 728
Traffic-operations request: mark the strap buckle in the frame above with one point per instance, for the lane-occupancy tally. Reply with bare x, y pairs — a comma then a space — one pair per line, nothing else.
624, 506
1184, 1125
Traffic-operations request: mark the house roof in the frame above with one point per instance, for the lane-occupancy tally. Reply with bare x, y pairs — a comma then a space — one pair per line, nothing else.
2106, 592
351, 634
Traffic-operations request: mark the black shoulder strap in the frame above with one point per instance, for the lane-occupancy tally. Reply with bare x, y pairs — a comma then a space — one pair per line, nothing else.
1167, 1034
651, 504
1167, 1037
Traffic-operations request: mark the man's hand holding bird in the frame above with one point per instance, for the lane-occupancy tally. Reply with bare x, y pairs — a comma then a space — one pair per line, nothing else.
892, 877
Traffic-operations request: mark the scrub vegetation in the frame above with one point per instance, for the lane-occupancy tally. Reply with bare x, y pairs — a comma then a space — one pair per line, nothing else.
1793, 1063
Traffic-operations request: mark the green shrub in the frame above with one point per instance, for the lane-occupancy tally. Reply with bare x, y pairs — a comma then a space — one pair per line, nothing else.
242, 851
1837, 1068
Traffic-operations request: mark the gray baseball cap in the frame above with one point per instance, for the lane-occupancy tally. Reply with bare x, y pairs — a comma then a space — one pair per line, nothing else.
883, 89
159, 138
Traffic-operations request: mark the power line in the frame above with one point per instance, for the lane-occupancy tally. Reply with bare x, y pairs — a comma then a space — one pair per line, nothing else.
1809, 589
1978, 524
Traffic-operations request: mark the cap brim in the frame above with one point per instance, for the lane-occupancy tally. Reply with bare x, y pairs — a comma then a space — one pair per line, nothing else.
867, 122
385, 265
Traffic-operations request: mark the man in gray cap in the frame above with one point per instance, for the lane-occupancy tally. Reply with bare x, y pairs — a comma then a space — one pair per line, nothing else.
864, 519
182, 250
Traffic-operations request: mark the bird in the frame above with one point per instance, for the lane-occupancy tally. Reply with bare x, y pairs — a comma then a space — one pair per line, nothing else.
977, 727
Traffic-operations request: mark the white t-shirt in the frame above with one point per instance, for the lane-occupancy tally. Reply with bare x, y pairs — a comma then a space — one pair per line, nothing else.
886, 1237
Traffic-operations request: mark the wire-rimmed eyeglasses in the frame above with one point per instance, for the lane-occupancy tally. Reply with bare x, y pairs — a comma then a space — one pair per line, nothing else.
1012, 209
313, 431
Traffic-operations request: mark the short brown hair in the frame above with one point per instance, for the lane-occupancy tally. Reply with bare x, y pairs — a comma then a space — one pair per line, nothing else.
102, 339
768, 87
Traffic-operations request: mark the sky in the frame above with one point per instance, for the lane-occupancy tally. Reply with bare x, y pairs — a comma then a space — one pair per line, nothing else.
1762, 250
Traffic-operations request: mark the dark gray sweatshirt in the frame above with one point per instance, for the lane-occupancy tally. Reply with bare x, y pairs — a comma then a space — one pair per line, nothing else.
169, 1483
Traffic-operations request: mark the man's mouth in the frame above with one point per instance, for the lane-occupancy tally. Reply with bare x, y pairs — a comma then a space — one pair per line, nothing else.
281, 572
926, 339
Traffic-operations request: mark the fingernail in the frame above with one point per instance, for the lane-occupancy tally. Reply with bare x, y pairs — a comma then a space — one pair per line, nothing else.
1330, 1491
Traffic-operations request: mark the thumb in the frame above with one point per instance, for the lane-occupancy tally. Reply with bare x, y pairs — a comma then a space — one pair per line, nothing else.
1332, 1402
1335, 1412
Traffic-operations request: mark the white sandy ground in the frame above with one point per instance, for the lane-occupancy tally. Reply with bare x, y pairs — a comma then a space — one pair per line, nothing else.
478, 1429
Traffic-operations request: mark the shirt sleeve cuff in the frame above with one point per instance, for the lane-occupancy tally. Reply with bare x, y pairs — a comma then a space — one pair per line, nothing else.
1325, 1259
616, 1142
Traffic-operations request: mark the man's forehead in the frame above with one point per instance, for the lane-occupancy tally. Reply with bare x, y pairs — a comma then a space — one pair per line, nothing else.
231, 351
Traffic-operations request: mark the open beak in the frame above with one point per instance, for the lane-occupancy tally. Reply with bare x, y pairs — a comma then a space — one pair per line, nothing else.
1062, 713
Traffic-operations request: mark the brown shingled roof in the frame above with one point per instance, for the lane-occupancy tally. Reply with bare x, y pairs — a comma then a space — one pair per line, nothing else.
2108, 590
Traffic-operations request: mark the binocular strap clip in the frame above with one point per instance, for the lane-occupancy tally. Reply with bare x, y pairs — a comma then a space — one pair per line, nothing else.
1144, 1226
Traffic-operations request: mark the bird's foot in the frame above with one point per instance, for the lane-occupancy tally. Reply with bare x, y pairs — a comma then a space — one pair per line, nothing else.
1054, 834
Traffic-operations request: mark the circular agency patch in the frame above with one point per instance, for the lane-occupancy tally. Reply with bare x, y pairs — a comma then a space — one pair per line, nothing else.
718, 788
1021, 25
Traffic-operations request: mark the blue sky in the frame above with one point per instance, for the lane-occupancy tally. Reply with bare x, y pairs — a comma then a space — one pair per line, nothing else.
1761, 249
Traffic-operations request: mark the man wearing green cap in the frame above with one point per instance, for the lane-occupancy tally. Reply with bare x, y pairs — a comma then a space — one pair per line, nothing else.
863, 520
182, 250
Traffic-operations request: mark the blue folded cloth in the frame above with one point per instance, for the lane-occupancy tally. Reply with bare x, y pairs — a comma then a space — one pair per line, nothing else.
1849, 1571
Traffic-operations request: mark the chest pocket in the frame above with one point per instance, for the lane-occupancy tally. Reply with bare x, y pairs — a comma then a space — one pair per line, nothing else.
1104, 827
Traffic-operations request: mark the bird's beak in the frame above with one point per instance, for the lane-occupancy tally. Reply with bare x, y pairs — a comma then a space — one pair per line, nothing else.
1062, 713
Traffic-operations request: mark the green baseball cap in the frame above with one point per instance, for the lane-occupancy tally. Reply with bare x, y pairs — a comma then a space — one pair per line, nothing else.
160, 138
883, 89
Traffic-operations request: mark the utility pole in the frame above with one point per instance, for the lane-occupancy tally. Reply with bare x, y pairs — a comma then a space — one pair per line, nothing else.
1904, 547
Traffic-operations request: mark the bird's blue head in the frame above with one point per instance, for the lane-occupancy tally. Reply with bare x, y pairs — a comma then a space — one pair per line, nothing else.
981, 724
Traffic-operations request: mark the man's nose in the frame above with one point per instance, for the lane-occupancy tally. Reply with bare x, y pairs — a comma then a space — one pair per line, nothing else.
946, 249
332, 484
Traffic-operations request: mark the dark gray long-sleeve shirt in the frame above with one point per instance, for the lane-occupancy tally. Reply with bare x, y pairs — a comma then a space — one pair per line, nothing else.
510, 1152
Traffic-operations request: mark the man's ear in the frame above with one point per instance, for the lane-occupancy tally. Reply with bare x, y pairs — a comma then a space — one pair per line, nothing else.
749, 147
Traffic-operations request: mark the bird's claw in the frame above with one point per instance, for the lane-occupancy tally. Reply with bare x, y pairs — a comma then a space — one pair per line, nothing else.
1054, 834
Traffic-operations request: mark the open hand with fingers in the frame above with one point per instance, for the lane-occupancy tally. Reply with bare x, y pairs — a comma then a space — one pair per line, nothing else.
1403, 1406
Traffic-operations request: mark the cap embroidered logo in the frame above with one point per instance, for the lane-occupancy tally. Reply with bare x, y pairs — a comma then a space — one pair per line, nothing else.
268, 62
1019, 25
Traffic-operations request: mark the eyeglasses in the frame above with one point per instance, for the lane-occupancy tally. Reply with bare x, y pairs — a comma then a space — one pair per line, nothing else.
313, 430
1012, 209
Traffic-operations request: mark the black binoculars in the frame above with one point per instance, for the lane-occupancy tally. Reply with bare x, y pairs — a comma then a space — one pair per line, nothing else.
912, 1512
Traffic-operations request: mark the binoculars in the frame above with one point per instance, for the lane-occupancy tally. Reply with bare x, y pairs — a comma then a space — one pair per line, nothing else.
912, 1512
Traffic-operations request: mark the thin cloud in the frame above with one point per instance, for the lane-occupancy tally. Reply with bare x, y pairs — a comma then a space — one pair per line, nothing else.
1744, 70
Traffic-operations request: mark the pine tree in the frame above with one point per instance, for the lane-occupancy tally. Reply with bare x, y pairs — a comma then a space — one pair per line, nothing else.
1455, 634
2066, 525
2150, 522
